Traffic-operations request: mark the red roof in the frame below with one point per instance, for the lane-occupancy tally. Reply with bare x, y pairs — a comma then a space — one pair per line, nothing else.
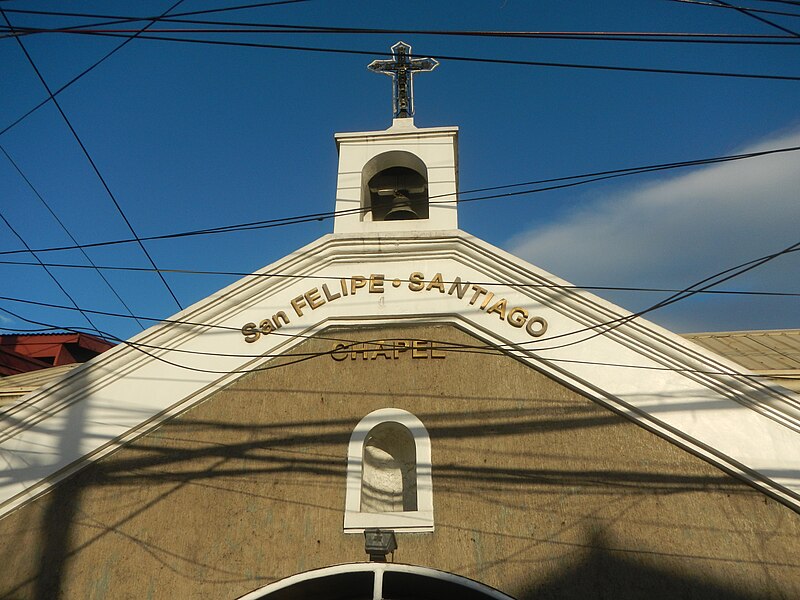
20, 353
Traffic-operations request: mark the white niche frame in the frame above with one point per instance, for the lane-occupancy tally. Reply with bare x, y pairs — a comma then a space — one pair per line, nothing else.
416, 521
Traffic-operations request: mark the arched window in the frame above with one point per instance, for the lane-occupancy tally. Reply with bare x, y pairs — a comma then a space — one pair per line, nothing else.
389, 474
376, 581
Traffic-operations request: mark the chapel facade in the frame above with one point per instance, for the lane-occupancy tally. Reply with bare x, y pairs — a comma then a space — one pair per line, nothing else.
398, 410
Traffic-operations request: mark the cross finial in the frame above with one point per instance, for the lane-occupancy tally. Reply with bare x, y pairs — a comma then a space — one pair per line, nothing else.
401, 69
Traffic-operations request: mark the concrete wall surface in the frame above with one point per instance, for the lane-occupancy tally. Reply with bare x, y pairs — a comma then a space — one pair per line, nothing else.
537, 491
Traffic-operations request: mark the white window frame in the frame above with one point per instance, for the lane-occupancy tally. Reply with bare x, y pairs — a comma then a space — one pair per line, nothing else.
420, 520
378, 570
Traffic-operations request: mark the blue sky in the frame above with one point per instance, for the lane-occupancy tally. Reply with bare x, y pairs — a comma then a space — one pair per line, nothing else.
191, 136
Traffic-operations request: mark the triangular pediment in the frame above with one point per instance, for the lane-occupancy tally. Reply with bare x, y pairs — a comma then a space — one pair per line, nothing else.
659, 380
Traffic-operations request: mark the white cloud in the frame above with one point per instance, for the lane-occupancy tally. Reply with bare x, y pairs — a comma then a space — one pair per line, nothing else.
682, 228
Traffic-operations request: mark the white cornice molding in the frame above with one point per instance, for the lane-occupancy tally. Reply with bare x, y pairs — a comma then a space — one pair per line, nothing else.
701, 401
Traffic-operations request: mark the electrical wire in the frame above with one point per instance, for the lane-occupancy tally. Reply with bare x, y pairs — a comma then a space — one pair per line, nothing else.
88, 69
183, 14
36, 192
789, 2
747, 13
69, 234
687, 292
753, 10
120, 20
607, 326
176, 18
321, 216
470, 59
91, 161
278, 275
351, 345
250, 28
49, 273
614, 175
360, 346
51, 13
450, 58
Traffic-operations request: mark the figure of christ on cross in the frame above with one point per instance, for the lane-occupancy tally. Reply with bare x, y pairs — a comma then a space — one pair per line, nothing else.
401, 69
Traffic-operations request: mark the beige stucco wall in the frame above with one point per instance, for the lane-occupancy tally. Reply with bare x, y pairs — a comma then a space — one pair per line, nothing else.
537, 491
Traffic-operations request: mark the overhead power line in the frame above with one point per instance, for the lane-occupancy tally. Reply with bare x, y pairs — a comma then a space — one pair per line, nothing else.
178, 18
348, 344
752, 10
621, 36
183, 14
272, 28
764, 20
119, 20
49, 273
582, 179
682, 37
688, 292
66, 230
88, 69
280, 275
36, 192
91, 161
471, 59
594, 330
789, 2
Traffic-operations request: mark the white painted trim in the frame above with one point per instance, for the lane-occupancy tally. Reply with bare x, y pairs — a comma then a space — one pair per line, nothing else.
702, 402
379, 569
419, 520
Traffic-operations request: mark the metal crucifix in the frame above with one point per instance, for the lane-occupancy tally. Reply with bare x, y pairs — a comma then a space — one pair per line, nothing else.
401, 69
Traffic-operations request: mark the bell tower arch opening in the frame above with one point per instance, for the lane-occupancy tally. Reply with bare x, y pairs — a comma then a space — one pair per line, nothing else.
394, 187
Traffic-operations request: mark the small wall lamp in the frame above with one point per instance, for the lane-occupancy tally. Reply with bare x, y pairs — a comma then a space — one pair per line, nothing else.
378, 543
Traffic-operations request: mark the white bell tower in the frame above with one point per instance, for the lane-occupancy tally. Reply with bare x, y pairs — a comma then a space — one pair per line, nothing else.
400, 179
404, 178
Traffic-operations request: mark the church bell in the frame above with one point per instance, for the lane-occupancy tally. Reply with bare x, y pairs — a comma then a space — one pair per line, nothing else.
398, 194
401, 209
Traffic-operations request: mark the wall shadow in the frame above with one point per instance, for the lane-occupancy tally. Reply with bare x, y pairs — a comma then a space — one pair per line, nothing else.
244, 458
605, 573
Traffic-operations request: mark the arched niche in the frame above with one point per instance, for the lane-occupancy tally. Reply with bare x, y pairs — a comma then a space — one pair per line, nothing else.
394, 186
389, 482
389, 470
